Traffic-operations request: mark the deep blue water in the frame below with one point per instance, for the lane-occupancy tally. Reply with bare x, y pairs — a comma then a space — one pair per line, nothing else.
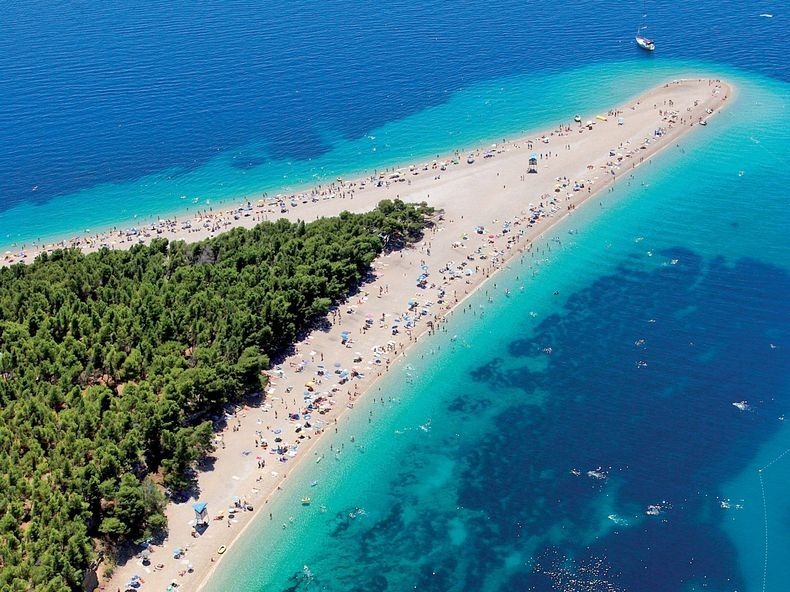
95, 92
672, 299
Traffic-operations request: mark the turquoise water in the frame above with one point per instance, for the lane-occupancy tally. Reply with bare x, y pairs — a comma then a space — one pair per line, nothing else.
110, 111
487, 110
672, 305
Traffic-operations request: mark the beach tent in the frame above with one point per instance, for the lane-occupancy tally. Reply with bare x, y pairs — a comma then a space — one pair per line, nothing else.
533, 163
201, 514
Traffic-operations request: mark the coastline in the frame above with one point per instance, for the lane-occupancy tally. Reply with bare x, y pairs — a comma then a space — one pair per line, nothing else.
585, 166
172, 193
131, 228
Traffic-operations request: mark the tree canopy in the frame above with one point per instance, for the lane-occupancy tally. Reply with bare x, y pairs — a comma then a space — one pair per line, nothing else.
110, 363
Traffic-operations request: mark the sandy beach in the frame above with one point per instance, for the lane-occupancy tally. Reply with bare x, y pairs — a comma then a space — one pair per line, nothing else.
490, 206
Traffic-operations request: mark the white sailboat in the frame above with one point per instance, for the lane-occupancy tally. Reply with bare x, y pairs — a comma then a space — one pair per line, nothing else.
642, 41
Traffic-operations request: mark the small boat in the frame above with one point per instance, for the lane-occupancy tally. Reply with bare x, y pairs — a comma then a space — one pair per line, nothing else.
599, 474
306, 501
222, 549
645, 43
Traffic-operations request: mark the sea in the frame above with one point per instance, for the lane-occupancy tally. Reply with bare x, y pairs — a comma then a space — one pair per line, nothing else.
609, 413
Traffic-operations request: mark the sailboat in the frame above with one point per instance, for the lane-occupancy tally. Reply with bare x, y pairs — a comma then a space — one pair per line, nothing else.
642, 41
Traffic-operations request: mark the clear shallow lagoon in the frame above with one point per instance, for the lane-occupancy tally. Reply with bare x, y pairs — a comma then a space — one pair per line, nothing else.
670, 296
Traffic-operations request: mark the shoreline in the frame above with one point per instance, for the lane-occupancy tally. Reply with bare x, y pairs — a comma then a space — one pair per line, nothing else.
457, 190
124, 233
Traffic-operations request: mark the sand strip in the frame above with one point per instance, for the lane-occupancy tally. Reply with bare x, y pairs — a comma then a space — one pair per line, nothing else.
493, 209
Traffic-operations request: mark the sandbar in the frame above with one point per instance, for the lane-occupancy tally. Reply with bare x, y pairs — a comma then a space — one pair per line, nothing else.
490, 207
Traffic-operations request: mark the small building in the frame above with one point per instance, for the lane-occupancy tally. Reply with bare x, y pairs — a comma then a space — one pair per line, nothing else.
201, 514
533, 163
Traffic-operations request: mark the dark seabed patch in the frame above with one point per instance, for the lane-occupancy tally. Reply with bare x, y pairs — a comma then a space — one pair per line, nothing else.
611, 482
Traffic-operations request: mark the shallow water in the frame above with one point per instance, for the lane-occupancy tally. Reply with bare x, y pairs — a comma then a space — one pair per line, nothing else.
671, 307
